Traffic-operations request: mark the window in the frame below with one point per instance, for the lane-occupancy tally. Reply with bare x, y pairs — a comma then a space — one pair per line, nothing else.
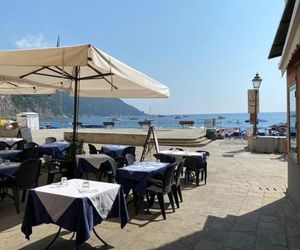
293, 121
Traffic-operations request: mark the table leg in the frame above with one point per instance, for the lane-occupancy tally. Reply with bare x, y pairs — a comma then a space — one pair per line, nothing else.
99, 237
54, 239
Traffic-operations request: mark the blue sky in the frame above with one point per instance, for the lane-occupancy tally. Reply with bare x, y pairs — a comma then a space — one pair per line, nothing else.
206, 52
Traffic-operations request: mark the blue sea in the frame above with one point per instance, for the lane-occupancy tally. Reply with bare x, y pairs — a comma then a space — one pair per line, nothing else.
228, 120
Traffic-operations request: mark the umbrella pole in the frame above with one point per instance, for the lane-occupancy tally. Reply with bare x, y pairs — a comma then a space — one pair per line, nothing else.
75, 117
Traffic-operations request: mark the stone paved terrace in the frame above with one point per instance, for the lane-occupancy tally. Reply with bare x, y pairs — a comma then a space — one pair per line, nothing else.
243, 206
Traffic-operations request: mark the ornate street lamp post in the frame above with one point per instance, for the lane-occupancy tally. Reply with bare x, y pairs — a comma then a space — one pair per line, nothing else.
256, 84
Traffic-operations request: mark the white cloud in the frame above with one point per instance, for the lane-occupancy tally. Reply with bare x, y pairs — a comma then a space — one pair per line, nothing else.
30, 41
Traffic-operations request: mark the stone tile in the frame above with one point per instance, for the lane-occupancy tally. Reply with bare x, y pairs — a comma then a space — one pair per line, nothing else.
271, 237
294, 243
239, 240
265, 246
207, 245
213, 235
271, 226
245, 226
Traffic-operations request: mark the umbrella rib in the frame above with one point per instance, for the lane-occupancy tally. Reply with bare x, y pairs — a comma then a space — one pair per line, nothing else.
63, 72
103, 75
10, 83
33, 72
44, 74
94, 77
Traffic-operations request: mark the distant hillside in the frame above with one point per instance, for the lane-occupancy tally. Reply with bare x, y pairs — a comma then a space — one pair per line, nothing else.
49, 106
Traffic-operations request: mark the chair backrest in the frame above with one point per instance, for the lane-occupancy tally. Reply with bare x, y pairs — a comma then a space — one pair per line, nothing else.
206, 153
50, 140
129, 150
164, 158
92, 149
27, 153
4, 145
194, 162
28, 173
31, 145
107, 166
130, 159
178, 149
168, 177
25, 133
19, 145
178, 171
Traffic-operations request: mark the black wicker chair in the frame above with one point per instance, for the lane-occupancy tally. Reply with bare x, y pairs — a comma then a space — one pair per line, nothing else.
179, 149
164, 158
93, 150
161, 188
107, 172
19, 145
121, 160
4, 145
50, 140
26, 177
130, 159
206, 153
176, 187
26, 154
194, 166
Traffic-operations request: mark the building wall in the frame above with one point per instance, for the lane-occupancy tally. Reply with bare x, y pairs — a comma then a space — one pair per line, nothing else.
293, 76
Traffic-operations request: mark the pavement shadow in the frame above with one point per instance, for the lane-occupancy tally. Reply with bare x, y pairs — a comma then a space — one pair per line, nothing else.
61, 243
274, 226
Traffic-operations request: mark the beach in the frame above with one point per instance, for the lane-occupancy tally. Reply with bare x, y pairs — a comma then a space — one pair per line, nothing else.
243, 205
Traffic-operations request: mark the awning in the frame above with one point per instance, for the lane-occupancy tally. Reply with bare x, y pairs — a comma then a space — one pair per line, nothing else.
282, 31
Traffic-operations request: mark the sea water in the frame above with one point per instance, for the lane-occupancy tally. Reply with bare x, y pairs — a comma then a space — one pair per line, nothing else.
227, 120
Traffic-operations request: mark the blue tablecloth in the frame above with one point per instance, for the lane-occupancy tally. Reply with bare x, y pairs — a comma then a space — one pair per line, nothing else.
80, 217
114, 149
135, 176
6, 154
10, 168
53, 149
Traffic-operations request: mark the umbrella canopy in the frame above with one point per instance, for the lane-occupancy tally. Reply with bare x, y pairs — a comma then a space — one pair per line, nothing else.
100, 75
81, 69
15, 86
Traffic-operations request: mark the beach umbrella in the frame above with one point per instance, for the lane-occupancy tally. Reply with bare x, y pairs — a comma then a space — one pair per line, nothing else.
83, 70
16, 86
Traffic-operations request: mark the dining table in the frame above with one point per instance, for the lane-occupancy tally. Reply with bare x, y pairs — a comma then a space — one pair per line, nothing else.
7, 154
136, 176
74, 206
116, 150
53, 149
180, 154
89, 163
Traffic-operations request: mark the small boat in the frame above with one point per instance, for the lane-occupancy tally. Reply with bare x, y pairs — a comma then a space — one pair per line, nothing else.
133, 118
178, 117
161, 116
115, 119
221, 117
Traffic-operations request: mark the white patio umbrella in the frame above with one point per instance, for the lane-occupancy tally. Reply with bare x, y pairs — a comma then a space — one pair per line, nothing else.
82, 69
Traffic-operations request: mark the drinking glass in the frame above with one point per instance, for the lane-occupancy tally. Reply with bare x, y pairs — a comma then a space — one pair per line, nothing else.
7, 162
63, 181
85, 185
